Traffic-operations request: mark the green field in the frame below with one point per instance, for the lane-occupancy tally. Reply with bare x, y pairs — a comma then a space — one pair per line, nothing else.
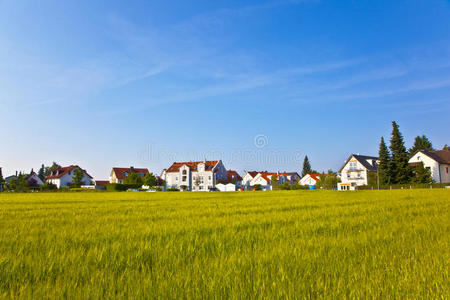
292, 244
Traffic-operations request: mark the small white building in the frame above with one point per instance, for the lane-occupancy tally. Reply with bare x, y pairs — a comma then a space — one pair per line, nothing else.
229, 187
194, 176
310, 179
438, 161
357, 168
63, 177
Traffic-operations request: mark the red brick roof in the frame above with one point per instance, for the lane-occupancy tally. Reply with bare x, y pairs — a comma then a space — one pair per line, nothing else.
233, 175
193, 165
120, 172
316, 177
63, 171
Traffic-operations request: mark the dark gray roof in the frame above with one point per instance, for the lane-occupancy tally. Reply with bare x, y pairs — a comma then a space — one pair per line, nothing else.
363, 160
441, 156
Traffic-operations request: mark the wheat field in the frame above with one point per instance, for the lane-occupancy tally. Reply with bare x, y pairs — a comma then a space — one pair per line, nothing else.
247, 245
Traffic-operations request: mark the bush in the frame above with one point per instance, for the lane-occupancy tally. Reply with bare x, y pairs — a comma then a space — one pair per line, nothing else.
257, 187
118, 187
172, 189
299, 187
47, 186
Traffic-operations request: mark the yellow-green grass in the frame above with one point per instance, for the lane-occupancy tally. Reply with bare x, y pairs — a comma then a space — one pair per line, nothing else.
292, 244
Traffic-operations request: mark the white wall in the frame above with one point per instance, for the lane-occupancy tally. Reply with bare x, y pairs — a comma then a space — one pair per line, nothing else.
350, 169
428, 162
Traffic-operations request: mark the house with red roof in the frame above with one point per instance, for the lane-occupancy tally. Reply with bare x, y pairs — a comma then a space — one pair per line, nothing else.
310, 179
264, 179
63, 177
118, 175
194, 175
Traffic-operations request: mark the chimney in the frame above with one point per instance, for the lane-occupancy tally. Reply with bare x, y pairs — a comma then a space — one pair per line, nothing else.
132, 169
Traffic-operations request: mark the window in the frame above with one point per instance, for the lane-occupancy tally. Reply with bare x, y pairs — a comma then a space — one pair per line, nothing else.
201, 179
200, 188
209, 178
125, 174
359, 175
184, 172
176, 178
183, 178
447, 170
142, 174
348, 175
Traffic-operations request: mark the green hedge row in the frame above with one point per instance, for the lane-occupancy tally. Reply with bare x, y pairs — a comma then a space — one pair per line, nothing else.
117, 187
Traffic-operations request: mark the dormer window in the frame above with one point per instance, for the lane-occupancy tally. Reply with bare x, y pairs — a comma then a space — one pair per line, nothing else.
125, 174
142, 174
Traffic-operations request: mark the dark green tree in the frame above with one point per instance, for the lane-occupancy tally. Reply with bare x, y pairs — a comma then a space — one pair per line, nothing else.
422, 174
18, 184
274, 182
77, 179
41, 173
420, 143
400, 170
384, 163
53, 167
149, 179
306, 166
133, 178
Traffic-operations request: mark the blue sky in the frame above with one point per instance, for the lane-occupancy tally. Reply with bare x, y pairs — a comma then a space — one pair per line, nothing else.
143, 83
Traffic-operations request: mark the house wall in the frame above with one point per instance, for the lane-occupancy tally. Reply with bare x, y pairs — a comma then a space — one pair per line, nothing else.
67, 179
209, 178
307, 180
354, 173
428, 162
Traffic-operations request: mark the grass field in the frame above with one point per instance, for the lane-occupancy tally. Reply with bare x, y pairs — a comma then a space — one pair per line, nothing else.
293, 244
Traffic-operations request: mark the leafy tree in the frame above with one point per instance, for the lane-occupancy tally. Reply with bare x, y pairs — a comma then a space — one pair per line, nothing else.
77, 179
53, 167
400, 171
285, 186
328, 181
321, 182
47, 186
18, 184
384, 165
41, 173
422, 174
274, 182
133, 178
420, 143
306, 166
149, 179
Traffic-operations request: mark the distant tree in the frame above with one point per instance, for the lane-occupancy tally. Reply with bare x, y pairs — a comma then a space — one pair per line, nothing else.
384, 164
321, 182
41, 173
197, 182
257, 187
420, 143
274, 182
2, 180
77, 179
53, 167
18, 184
422, 174
149, 179
133, 178
285, 186
306, 166
400, 171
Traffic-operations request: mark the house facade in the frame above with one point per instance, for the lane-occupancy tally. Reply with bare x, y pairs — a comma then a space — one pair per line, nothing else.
63, 177
194, 176
264, 179
310, 179
438, 161
357, 168
118, 175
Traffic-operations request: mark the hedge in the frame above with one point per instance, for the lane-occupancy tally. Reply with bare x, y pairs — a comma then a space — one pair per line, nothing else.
118, 187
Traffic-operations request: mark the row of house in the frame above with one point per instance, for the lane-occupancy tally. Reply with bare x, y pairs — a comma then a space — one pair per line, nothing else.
213, 175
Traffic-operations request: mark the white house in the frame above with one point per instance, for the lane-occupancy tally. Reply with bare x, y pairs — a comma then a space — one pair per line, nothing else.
194, 176
438, 161
118, 175
33, 179
226, 187
310, 179
63, 177
264, 179
356, 169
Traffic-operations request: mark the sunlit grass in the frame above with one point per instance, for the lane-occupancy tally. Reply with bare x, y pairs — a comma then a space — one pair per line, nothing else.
226, 245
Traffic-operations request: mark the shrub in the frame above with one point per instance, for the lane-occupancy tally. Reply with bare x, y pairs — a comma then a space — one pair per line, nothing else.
118, 187
172, 189
257, 187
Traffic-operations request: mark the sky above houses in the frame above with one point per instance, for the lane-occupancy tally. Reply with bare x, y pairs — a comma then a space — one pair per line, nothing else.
258, 84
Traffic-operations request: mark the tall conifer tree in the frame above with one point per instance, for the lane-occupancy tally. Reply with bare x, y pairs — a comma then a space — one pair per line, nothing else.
384, 164
401, 172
